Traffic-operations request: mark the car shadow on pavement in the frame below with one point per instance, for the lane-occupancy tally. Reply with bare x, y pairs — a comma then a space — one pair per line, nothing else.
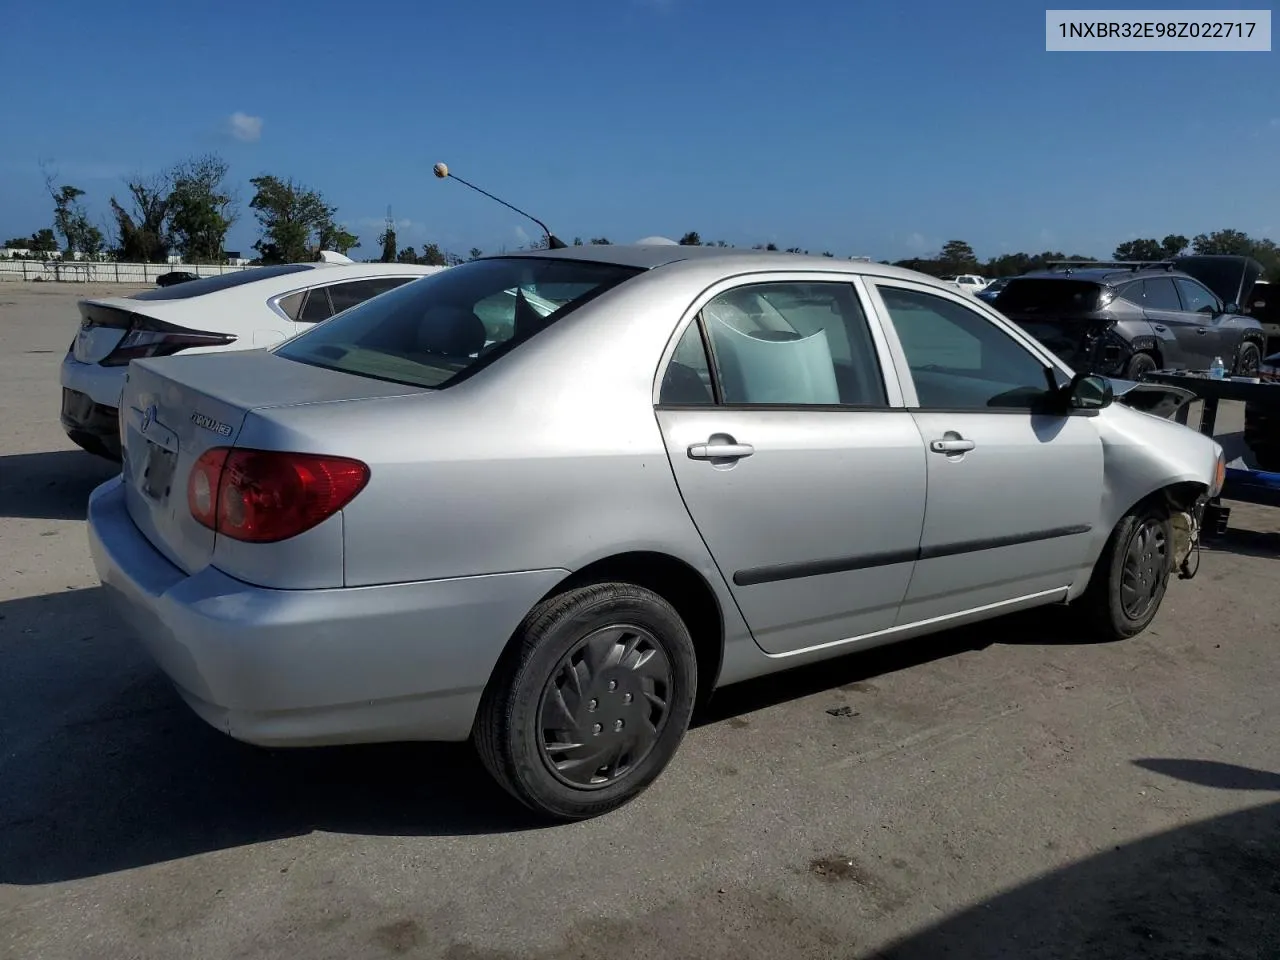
103, 768
1207, 889
54, 485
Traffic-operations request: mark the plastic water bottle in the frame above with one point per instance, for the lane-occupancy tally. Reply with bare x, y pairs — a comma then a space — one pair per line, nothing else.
1217, 369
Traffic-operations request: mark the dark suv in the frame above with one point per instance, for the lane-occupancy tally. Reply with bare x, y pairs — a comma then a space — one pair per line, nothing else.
1124, 319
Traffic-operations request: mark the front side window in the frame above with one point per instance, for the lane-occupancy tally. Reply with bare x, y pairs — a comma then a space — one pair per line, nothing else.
436, 330
959, 359
793, 343
1195, 298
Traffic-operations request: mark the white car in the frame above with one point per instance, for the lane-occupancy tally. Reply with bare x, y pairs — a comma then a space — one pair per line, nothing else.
250, 308
968, 282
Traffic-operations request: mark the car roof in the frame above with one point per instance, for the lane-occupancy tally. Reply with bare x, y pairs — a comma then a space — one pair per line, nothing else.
1107, 275
652, 256
275, 279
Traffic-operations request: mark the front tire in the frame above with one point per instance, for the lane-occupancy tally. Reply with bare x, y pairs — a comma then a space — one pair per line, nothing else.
1132, 574
1248, 360
590, 703
1139, 365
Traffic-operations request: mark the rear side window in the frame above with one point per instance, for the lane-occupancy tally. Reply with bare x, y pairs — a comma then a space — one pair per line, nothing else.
197, 288
1049, 296
445, 326
317, 307
344, 295
1160, 294
793, 344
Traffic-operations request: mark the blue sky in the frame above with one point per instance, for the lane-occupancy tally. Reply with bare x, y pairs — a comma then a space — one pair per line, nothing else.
874, 129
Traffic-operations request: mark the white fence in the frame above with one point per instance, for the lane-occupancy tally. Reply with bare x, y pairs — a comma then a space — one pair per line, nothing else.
85, 271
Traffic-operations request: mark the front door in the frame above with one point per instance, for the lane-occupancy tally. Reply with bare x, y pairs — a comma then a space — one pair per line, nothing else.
1163, 306
1012, 492
806, 486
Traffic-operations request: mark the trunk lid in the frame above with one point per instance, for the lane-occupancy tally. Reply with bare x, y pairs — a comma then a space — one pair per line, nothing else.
173, 409
103, 324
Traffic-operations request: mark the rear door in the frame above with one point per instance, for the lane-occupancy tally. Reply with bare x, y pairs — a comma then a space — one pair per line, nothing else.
1013, 493
798, 464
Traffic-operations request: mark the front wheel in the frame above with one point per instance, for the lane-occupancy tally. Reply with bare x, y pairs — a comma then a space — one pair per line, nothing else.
1130, 578
1248, 360
590, 704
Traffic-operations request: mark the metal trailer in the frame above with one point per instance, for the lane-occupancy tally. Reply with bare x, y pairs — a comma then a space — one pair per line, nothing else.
1247, 486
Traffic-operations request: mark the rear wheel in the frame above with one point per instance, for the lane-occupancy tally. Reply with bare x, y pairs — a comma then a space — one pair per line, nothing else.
1248, 360
1139, 365
1130, 578
590, 704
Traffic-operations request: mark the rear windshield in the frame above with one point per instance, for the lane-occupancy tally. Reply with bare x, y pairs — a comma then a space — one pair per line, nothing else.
196, 288
433, 331
1044, 295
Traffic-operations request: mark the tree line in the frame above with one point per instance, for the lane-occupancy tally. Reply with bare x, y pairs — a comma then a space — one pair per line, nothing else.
189, 207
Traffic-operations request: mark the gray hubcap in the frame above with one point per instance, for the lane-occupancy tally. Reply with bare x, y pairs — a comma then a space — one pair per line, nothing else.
604, 706
1143, 574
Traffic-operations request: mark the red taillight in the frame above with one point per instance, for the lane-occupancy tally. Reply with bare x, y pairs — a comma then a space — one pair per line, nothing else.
262, 496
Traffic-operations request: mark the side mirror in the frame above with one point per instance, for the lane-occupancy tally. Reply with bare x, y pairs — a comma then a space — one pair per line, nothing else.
1089, 392
1231, 307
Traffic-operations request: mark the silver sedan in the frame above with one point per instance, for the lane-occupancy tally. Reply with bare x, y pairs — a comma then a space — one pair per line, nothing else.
549, 501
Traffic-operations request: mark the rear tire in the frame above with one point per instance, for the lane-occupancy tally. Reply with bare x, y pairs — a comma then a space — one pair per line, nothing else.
1139, 365
1131, 576
591, 701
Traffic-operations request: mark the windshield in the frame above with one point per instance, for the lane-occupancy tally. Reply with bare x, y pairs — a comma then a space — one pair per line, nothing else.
433, 331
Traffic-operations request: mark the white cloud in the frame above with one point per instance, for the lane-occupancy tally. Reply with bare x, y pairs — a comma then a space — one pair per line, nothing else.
522, 236
244, 127
916, 242
1275, 123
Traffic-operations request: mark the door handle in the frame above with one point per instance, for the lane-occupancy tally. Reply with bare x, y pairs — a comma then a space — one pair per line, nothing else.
951, 446
1201, 330
720, 451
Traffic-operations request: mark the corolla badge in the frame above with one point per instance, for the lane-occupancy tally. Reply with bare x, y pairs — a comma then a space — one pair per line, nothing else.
200, 420
148, 417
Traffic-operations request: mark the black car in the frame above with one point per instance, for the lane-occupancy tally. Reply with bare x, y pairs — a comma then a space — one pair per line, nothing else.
1126, 319
175, 277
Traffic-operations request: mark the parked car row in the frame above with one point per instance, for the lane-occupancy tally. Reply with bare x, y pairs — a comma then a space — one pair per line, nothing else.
1126, 320
548, 501
233, 311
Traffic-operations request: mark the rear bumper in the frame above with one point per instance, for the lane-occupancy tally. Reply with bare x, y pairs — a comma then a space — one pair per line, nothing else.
90, 405
312, 667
